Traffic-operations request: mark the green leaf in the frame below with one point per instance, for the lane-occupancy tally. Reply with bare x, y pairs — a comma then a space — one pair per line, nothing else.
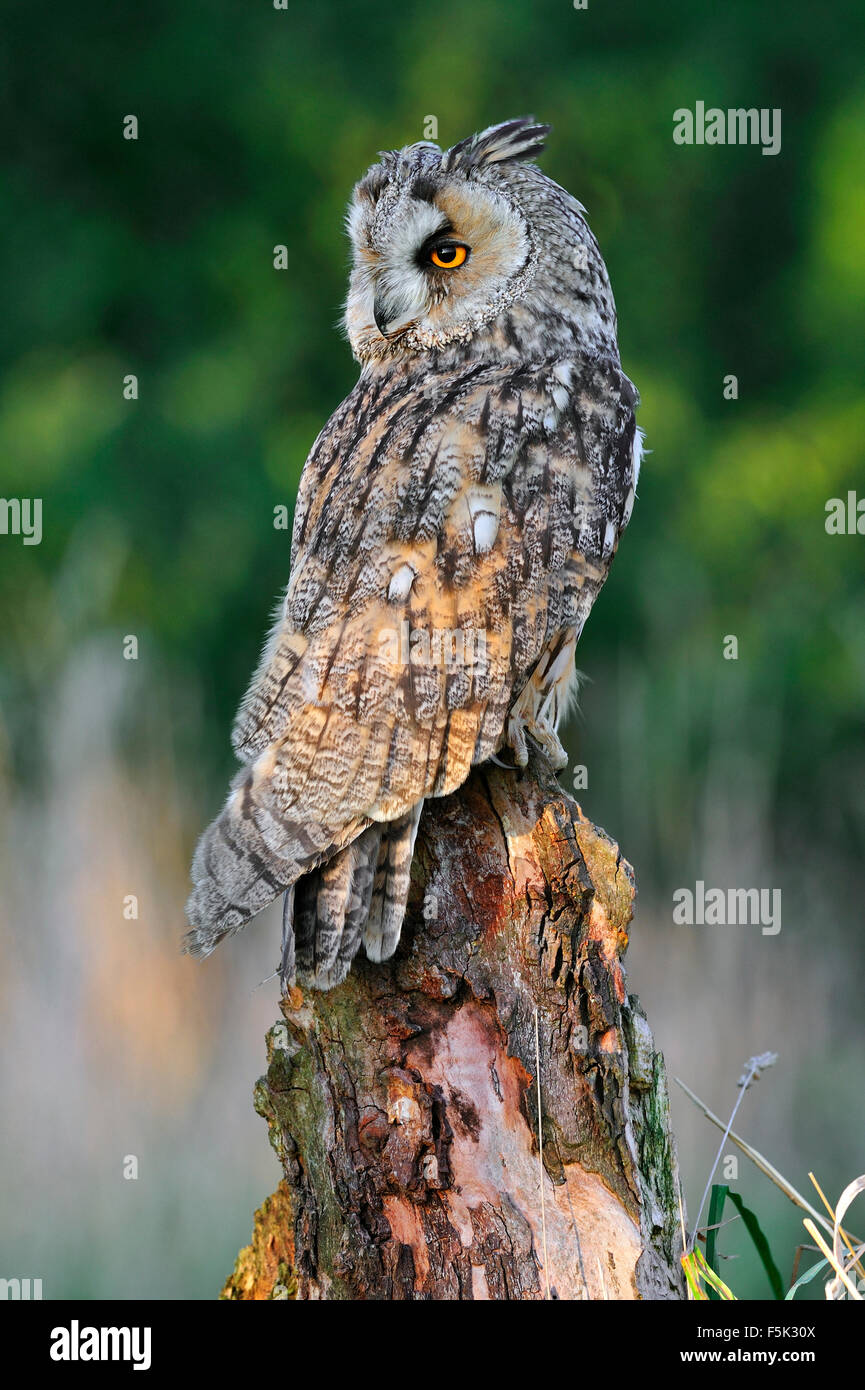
689, 1265
716, 1214
696, 1270
761, 1243
805, 1278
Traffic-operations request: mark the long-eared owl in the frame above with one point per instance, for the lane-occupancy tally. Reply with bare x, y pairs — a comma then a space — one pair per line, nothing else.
455, 521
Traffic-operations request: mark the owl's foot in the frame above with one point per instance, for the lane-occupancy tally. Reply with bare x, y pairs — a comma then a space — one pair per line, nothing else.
548, 740
519, 728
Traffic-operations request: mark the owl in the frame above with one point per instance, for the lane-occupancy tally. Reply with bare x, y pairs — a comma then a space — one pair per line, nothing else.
455, 521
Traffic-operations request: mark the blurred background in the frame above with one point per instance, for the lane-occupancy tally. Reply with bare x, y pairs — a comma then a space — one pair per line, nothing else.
154, 257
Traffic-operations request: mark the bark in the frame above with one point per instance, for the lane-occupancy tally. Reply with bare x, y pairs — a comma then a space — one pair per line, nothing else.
403, 1105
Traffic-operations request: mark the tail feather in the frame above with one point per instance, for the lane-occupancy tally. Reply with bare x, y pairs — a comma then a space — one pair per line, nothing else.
343, 887
359, 896
231, 883
329, 909
287, 968
246, 858
390, 891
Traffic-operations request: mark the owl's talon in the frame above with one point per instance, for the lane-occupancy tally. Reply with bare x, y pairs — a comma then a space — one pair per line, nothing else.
542, 734
515, 739
548, 741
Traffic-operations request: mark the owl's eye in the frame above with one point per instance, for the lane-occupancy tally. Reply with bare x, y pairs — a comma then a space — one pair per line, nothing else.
447, 255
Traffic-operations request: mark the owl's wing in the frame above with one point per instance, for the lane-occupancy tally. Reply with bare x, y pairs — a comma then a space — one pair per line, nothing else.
448, 529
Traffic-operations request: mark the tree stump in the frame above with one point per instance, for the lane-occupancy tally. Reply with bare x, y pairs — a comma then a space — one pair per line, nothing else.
403, 1105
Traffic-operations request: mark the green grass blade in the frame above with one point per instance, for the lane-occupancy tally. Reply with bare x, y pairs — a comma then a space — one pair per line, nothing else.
710, 1278
805, 1278
761, 1244
689, 1265
716, 1214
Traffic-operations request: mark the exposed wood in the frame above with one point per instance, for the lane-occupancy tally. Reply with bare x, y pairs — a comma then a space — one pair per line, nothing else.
403, 1105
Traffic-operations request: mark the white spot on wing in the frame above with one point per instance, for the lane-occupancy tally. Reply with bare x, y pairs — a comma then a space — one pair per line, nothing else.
486, 528
400, 584
484, 504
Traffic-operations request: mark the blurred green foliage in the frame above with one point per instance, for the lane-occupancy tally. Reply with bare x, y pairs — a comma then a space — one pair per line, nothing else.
154, 257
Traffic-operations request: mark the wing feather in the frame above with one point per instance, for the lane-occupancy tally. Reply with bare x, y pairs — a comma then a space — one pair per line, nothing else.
437, 507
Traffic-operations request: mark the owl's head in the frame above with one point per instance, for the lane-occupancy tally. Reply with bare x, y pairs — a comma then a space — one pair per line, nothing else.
473, 241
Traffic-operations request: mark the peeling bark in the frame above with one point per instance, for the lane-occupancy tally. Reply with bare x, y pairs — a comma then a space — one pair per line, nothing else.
403, 1105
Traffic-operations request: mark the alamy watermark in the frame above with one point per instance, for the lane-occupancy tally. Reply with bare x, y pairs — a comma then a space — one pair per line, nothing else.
735, 126
845, 516
456, 649
18, 1289
731, 907
77, 1343
22, 516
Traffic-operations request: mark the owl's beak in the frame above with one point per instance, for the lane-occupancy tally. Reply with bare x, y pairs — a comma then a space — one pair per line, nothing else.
389, 324
379, 313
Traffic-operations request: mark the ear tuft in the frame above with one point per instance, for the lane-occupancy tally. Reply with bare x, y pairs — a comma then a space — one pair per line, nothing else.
498, 144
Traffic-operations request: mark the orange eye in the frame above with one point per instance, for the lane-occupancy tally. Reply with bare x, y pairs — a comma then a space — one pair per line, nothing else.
448, 255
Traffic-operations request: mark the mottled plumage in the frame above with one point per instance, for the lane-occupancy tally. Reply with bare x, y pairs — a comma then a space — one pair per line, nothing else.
455, 521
